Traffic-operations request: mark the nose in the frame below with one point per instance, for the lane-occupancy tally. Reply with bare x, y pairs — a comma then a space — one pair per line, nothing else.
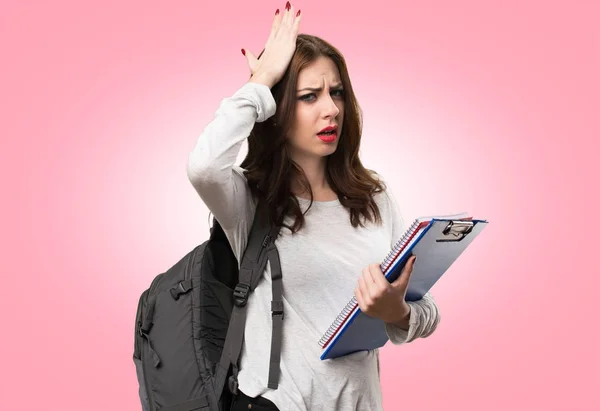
330, 109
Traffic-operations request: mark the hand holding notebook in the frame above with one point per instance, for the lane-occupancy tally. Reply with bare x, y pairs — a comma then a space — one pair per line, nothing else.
436, 242
380, 298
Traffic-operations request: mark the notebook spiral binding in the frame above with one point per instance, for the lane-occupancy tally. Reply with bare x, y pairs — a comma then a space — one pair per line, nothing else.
338, 321
387, 262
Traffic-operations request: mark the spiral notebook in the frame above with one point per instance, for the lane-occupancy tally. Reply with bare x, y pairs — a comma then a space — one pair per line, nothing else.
437, 242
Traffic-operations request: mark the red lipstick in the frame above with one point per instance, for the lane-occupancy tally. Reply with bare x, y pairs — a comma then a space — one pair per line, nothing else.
328, 134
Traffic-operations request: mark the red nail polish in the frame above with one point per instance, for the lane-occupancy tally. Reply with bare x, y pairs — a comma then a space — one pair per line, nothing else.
297, 14
243, 52
288, 5
277, 12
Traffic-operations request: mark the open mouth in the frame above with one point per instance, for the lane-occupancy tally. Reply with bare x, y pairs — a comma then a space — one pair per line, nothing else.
328, 134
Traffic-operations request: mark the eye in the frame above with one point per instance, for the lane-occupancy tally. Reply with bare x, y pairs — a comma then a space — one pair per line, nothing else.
306, 97
311, 96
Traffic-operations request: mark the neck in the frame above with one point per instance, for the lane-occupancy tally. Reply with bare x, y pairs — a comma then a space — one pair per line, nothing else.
315, 171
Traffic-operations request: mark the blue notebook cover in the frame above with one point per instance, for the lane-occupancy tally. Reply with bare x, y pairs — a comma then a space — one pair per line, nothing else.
437, 242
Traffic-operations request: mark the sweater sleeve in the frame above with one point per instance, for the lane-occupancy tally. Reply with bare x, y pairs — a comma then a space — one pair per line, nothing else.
424, 313
220, 184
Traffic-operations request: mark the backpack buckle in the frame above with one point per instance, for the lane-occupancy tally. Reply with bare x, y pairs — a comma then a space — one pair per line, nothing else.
181, 288
277, 309
240, 294
232, 384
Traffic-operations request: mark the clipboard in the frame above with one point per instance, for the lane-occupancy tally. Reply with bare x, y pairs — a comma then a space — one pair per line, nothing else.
437, 242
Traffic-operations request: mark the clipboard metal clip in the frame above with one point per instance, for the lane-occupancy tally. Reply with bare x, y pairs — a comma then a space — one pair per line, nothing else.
456, 230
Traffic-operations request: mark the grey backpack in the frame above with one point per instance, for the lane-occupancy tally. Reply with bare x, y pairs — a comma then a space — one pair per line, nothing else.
189, 327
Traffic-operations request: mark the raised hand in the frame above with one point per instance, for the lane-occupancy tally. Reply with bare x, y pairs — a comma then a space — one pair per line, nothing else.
279, 48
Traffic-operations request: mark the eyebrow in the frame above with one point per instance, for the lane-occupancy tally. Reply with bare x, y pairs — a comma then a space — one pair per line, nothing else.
337, 86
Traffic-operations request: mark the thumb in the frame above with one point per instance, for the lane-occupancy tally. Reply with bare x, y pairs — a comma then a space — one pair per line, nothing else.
402, 280
252, 60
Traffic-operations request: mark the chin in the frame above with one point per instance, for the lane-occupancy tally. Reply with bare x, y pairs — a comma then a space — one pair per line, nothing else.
327, 150
318, 150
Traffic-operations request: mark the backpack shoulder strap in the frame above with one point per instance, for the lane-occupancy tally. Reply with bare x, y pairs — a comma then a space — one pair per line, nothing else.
276, 316
258, 251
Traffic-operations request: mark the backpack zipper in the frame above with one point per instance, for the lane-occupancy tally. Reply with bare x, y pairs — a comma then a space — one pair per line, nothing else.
145, 342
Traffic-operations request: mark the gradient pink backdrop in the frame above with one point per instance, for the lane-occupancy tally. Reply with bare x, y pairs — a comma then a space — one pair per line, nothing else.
487, 107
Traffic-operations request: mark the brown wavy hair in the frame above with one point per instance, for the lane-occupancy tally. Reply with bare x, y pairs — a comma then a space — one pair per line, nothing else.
269, 168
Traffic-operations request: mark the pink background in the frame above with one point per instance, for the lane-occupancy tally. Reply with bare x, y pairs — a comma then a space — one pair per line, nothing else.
486, 107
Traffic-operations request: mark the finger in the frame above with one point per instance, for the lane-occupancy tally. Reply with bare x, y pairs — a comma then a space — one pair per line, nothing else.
359, 298
364, 290
402, 281
274, 27
366, 272
288, 14
252, 60
369, 283
358, 295
296, 25
378, 277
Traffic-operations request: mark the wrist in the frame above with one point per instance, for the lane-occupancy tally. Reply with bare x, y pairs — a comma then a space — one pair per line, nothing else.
262, 78
403, 318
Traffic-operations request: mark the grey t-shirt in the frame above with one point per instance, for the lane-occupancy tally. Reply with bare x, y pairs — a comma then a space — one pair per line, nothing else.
321, 265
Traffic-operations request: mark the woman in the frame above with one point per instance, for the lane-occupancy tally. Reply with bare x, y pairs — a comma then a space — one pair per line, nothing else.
303, 126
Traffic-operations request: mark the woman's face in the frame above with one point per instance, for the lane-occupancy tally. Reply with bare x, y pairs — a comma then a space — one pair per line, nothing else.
319, 104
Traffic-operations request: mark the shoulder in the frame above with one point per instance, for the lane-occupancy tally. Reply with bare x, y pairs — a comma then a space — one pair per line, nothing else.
388, 204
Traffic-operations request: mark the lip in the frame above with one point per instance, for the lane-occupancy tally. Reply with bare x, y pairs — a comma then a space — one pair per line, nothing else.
329, 128
327, 138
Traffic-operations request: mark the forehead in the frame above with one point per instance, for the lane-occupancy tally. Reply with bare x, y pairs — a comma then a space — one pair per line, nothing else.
318, 73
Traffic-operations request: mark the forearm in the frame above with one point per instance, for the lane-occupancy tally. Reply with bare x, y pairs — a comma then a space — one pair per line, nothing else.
218, 146
210, 163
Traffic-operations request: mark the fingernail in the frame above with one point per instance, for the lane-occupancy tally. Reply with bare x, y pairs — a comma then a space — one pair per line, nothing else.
297, 14
243, 52
288, 5
277, 12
